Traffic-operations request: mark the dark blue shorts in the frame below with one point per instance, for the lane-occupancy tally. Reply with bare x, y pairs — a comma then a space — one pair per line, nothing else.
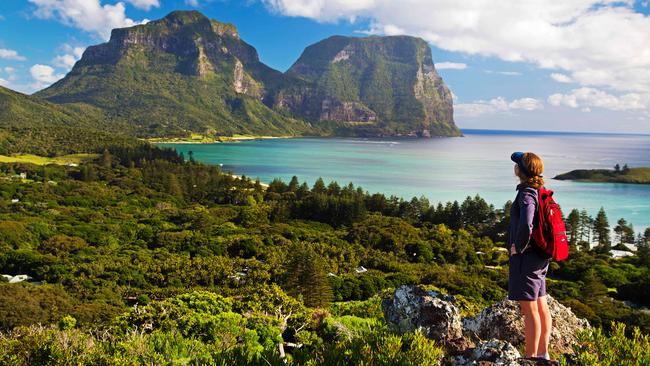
527, 276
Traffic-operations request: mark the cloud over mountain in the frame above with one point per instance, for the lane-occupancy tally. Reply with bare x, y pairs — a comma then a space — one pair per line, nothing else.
88, 15
600, 44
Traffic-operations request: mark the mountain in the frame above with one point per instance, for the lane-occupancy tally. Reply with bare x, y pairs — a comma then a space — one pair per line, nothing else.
186, 73
183, 73
382, 85
32, 125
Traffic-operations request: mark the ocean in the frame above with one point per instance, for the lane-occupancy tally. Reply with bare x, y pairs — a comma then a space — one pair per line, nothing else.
447, 169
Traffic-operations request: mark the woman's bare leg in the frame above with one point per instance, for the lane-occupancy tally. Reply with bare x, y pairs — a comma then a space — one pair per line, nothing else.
532, 326
546, 325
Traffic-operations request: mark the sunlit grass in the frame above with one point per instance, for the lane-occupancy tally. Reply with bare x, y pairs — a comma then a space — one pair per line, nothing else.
43, 160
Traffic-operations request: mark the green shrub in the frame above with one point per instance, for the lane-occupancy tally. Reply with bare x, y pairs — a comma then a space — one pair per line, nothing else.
67, 322
595, 348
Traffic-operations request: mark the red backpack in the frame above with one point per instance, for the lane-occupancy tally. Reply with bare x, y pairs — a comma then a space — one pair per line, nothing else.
550, 233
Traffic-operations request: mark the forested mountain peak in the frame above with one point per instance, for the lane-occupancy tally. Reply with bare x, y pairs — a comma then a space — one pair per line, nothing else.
390, 83
186, 73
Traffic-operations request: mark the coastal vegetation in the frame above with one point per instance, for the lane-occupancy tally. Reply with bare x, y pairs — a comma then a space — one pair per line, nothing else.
141, 256
638, 175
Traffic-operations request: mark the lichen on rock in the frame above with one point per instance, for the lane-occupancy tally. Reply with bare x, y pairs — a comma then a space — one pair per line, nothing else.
413, 308
504, 321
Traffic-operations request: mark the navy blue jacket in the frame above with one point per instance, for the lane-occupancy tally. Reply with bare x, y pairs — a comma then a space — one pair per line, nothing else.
522, 217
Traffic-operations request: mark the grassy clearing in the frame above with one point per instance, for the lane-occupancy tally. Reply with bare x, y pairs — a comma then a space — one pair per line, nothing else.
202, 139
43, 160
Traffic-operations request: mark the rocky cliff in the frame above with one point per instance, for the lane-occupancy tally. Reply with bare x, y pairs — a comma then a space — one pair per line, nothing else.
380, 85
186, 73
180, 74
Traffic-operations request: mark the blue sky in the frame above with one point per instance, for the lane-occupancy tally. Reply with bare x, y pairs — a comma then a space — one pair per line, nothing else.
571, 65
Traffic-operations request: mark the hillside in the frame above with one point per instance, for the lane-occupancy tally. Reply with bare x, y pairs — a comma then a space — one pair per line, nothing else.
31, 125
632, 175
182, 73
187, 74
140, 257
387, 85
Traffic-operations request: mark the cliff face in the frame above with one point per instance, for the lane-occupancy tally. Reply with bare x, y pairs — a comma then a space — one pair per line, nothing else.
385, 85
180, 74
186, 73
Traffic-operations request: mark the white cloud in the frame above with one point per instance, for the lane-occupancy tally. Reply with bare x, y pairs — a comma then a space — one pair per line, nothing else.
527, 104
88, 15
598, 43
590, 97
4, 83
44, 74
11, 74
67, 60
450, 65
507, 73
561, 78
10, 55
145, 4
192, 2
496, 105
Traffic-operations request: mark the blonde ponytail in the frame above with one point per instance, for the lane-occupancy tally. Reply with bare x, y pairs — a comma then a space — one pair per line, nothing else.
535, 166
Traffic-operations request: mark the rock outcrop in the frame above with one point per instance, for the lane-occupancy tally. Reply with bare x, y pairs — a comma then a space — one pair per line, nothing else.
492, 352
504, 321
490, 338
413, 308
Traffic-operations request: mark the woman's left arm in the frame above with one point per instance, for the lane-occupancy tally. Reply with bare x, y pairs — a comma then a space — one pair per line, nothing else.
527, 206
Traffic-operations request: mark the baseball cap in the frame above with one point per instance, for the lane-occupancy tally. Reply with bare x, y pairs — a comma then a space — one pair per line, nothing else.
518, 157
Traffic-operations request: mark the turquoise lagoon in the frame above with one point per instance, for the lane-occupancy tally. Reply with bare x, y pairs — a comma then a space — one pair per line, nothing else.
447, 169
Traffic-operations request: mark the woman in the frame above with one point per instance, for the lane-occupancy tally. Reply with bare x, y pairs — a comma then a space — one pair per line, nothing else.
527, 275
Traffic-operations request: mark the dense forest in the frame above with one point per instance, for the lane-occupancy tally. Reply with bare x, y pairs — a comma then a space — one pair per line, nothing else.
144, 257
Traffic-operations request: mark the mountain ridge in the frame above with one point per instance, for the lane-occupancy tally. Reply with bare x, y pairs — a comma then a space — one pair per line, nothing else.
186, 73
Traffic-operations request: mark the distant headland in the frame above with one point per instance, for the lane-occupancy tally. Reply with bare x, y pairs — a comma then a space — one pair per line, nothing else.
625, 174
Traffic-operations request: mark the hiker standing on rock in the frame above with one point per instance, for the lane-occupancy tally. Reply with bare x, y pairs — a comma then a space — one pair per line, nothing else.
528, 267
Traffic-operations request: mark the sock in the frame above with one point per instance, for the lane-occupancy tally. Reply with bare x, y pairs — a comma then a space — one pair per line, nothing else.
544, 356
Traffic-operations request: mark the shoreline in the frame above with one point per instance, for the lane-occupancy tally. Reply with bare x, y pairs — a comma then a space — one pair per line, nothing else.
264, 185
217, 140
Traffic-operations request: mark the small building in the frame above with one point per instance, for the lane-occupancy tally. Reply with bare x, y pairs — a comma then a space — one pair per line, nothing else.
18, 278
361, 269
630, 246
620, 253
